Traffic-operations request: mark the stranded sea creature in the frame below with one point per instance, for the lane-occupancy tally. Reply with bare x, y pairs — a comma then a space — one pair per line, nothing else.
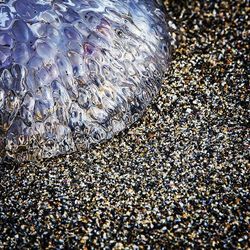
76, 72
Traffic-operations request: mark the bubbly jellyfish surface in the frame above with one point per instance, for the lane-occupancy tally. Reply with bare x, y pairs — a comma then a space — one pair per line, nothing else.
76, 72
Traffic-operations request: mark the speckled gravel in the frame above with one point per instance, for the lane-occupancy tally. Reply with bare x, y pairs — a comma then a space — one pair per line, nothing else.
177, 179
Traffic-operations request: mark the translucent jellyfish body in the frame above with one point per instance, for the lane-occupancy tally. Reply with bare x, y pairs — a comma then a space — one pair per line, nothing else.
76, 72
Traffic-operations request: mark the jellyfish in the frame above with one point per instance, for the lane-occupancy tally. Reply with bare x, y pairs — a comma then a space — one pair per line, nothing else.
74, 73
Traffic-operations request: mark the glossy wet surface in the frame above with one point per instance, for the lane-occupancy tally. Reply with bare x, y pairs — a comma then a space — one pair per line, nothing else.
74, 73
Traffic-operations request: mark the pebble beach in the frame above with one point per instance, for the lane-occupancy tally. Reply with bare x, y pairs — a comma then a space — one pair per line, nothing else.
176, 179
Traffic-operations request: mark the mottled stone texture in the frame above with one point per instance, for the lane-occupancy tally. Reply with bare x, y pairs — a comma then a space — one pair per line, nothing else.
73, 73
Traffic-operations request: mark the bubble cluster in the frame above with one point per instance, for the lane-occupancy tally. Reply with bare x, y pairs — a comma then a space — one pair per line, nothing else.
75, 72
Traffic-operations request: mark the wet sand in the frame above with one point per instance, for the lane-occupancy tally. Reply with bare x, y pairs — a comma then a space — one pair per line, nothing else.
178, 178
